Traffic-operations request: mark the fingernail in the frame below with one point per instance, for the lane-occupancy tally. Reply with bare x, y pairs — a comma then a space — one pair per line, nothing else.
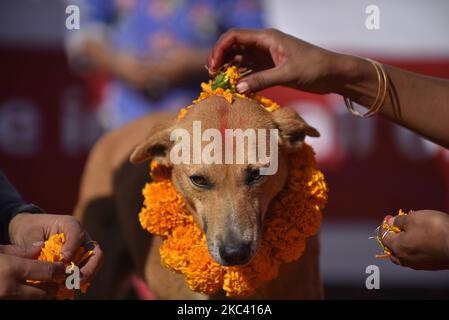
391, 221
38, 243
242, 87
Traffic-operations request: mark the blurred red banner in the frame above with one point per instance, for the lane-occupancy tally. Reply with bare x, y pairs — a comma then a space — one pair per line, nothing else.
47, 126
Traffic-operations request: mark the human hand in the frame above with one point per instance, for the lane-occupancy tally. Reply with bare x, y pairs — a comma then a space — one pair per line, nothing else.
18, 264
26, 229
277, 58
423, 242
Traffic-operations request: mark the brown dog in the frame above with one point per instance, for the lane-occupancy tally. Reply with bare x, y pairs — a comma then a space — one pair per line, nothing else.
228, 201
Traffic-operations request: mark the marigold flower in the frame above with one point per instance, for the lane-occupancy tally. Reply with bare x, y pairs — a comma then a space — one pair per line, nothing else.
224, 85
386, 252
51, 252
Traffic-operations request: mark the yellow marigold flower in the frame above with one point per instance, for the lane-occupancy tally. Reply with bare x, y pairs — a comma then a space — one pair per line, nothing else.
51, 252
224, 85
295, 215
268, 104
182, 113
386, 251
232, 75
240, 282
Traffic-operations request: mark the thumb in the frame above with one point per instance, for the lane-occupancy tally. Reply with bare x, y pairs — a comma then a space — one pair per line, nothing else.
260, 80
23, 251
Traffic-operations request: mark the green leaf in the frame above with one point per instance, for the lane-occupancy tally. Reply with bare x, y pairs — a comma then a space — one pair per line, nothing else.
218, 81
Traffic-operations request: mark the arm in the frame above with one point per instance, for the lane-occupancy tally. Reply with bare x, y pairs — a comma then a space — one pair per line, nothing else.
176, 67
417, 102
24, 229
91, 47
88, 46
17, 262
11, 203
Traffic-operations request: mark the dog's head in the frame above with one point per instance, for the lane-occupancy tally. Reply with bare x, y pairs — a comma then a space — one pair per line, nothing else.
228, 198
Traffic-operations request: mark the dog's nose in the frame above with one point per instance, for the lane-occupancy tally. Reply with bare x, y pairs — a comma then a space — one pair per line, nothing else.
235, 253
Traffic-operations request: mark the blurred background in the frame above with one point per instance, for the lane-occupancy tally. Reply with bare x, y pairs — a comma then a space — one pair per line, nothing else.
59, 93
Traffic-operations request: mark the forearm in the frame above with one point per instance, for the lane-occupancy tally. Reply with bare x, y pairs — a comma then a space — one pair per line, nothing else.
186, 65
177, 67
417, 102
197, 63
100, 56
11, 203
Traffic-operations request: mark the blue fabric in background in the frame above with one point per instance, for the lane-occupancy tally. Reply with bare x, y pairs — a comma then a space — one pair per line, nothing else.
150, 27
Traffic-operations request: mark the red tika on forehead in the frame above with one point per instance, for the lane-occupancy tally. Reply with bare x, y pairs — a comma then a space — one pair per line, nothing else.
223, 115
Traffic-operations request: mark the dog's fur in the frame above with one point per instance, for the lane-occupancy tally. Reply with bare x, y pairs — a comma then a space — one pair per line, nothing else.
230, 212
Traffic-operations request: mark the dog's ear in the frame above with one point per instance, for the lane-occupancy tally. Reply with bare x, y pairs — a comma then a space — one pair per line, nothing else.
292, 128
157, 146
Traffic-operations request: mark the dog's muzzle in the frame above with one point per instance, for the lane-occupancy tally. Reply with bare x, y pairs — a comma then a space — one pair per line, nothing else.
235, 252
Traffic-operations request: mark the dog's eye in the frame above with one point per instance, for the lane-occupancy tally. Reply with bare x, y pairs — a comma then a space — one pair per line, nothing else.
200, 182
254, 176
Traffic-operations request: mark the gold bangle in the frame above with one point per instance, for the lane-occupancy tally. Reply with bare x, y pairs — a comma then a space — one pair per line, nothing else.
378, 107
380, 97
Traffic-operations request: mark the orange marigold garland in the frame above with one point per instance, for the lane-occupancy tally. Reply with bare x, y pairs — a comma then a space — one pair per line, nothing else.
224, 85
51, 252
295, 214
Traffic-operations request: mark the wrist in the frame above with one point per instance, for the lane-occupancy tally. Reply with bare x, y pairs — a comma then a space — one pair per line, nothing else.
353, 75
14, 225
100, 56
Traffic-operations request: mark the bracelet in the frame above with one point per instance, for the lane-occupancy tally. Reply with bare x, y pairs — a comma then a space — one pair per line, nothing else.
380, 97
